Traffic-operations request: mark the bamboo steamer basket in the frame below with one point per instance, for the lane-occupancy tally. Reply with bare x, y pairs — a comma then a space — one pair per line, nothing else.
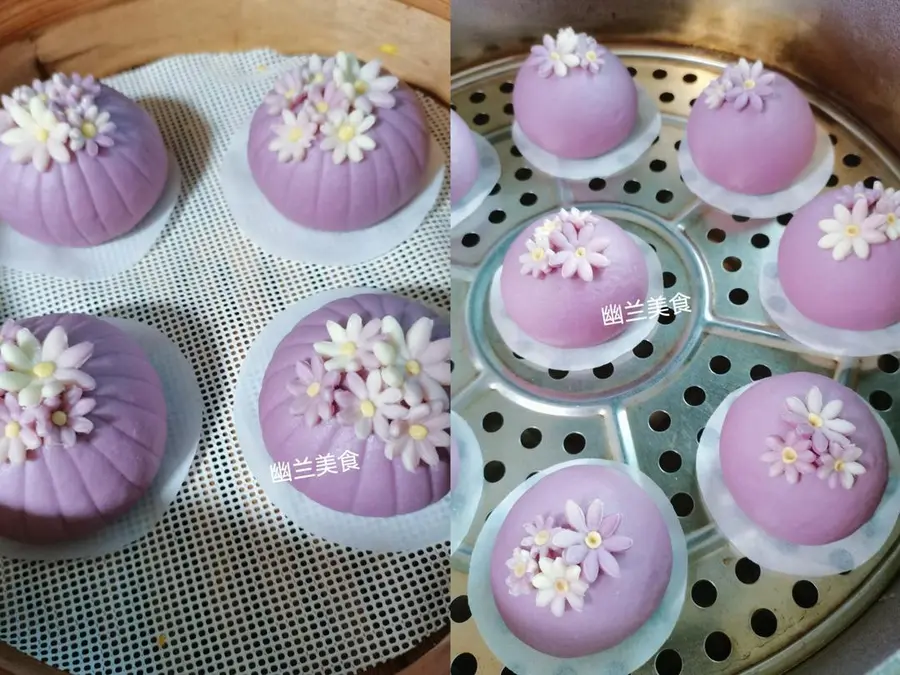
104, 37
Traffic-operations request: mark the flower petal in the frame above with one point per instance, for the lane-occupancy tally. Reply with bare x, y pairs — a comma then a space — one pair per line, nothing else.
591, 567
567, 538
617, 543
575, 516
608, 563
594, 516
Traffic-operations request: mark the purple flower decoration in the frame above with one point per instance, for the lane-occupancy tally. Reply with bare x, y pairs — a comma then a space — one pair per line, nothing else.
593, 541
313, 391
63, 418
590, 53
790, 456
556, 56
750, 85
848, 195
289, 90
817, 421
324, 100
71, 90
840, 465
539, 541
536, 261
522, 568
91, 129
578, 252
18, 435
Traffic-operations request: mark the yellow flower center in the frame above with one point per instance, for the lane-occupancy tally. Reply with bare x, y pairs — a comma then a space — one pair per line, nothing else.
418, 432
537, 253
561, 586
348, 348
313, 389
542, 538
318, 78
839, 465
851, 231
413, 367
346, 133
44, 370
361, 86
520, 569
322, 107
891, 218
580, 252
88, 130
749, 84
788, 455
593, 539
290, 94
41, 134
295, 134
554, 56
12, 430
815, 420
591, 55
367, 408
59, 418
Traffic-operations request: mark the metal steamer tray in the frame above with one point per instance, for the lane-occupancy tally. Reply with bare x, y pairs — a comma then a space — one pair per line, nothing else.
649, 408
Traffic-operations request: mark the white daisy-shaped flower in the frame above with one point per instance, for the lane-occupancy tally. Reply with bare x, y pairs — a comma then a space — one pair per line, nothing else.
38, 136
345, 135
715, 93
841, 465
350, 348
18, 434
294, 136
559, 585
522, 568
852, 231
319, 71
548, 227
557, 56
539, 541
889, 206
577, 218
42, 371
415, 355
537, 261
818, 420
417, 437
578, 252
368, 406
364, 85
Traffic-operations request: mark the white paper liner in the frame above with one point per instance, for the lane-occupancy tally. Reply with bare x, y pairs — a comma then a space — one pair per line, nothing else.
809, 184
466, 497
617, 160
488, 177
275, 234
624, 658
404, 533
580, 358
18, 252
775, 554
184, 410
836, 341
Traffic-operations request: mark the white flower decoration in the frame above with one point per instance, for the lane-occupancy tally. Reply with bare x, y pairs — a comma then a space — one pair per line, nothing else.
345, 134
889, 206
413, 356
350, 348
559, 584
818, 420
852, 231
319, 71
714, 94
38, 136
840, 465
548, 227
18, 434
539, 541
417, 437
521, 568
36, 372
368, 406
537, 261
294, 137
364, 85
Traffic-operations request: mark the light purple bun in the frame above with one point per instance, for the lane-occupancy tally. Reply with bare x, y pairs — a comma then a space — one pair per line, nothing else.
463, 158
454, 463
581, 115
614, 608
91, 200
322, 195
751, 152
63, 494
808, 512
381, 487
854, 293
568, 313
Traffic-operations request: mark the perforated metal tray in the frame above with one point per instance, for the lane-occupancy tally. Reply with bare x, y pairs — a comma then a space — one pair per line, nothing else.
649, 408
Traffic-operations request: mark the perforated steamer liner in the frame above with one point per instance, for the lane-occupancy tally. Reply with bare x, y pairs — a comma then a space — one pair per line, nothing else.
648, 409
225, 584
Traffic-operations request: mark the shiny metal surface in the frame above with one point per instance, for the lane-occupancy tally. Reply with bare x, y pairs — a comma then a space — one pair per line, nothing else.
527, 419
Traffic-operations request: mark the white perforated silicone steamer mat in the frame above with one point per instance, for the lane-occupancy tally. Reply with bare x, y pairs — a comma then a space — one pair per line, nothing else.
224, 585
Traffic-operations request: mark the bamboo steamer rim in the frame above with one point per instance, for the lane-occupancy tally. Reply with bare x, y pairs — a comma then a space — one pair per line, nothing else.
103, 37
